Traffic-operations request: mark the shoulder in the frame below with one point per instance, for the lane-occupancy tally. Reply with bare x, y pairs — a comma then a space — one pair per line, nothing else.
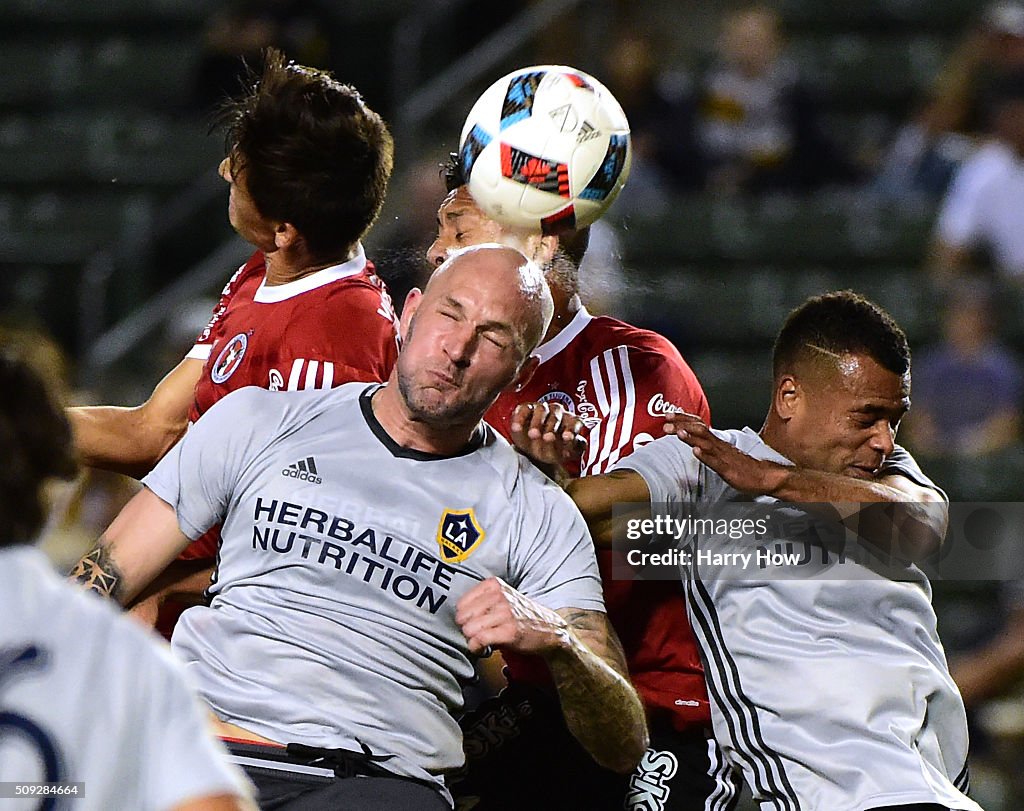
518, 477
651, 364
901, 463
252, 410
641, 346
537, 495
361, 297
604, 332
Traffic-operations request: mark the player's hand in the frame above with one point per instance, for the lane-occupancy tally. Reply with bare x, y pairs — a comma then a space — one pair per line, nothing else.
745, 473
547, 433
494, 615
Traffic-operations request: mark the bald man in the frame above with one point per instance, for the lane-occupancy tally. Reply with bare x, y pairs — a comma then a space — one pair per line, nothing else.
377, 539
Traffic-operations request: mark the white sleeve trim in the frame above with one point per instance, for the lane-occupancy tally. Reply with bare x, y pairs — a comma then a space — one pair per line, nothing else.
200, 352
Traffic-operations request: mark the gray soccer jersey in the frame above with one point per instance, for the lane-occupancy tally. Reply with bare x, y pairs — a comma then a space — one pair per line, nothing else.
829, 687
343, 556
87, 696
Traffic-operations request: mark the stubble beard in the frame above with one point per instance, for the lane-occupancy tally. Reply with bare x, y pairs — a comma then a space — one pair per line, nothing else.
427, 405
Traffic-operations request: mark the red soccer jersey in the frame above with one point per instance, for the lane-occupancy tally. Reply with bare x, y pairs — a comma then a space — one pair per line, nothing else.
622, 381
334, 326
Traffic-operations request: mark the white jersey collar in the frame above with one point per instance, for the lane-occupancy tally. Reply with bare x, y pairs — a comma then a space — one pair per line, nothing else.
547, 350
267, 294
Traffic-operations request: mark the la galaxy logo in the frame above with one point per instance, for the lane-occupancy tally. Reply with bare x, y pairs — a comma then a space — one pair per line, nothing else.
458, 535
230, 358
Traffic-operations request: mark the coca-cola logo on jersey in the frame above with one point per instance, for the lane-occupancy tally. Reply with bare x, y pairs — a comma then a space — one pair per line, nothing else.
586, 410
658, 406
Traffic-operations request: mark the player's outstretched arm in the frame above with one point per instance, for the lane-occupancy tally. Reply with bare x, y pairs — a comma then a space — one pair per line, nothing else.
889, 511
132, 440
137, 546
595, 496
586, 661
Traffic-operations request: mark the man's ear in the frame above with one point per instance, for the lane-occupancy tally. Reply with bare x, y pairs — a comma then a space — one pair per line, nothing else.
525, 372
286, 236
412, 303
541, 249
788, 399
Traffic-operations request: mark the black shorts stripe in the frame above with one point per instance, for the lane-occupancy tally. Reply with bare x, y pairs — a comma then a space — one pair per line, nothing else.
725, 669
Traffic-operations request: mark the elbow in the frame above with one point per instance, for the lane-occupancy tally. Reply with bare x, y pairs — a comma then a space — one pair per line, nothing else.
924, 529
627, 757
152, 439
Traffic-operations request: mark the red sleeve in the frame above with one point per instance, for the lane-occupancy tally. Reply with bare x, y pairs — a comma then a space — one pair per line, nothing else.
641, 385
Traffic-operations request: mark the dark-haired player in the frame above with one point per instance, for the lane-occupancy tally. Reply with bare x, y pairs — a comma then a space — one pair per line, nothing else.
829, 686
622, 381
308, 163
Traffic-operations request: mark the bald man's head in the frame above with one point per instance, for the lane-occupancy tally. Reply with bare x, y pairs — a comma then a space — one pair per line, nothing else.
509, 272
469, 334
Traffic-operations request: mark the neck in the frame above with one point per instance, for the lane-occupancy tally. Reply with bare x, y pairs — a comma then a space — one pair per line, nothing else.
394, 416
284, 266
566, 308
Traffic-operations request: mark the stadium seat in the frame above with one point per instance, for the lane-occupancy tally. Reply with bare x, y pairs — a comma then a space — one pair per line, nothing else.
30, 71
117, 12
861, 72
135, 71
50, 228
150, 149
878, 15
737, 385
42, 149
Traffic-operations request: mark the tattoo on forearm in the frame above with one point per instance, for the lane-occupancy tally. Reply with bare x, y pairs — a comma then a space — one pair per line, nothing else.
600, 680
98, 572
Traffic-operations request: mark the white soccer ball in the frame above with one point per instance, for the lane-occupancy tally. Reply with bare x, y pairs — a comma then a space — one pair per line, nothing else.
545, 148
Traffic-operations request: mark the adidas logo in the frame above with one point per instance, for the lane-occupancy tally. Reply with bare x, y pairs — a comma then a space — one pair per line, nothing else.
587, 132
303, 470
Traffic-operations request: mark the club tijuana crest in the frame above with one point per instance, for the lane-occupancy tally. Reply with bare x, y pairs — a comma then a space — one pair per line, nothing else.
230, 358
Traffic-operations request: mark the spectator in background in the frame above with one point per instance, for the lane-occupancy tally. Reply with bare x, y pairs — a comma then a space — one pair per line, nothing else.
660, 111
984, 208
997, 666
747, 123
967, 390
757, 125
925, 153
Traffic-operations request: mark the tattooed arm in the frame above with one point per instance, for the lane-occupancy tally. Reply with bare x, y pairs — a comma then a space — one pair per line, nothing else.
137, 546
585, 658
601, 707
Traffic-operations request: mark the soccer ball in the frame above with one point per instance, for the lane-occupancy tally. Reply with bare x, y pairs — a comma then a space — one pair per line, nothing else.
545, 148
